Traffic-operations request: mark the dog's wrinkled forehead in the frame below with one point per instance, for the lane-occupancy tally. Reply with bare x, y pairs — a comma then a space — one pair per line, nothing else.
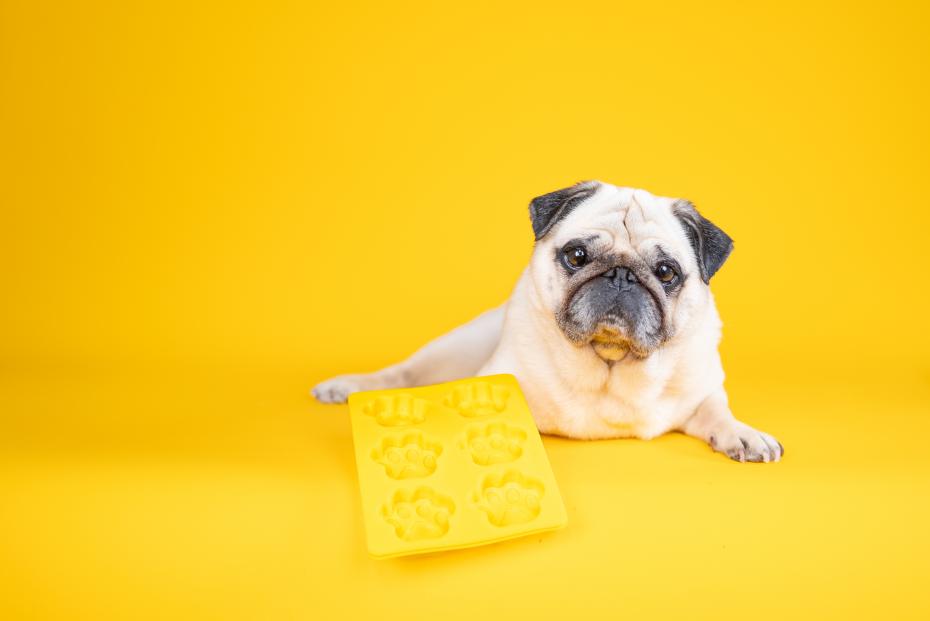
630, 217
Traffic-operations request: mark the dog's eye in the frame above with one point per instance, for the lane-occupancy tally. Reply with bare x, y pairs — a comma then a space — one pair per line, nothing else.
574, 258
665, 273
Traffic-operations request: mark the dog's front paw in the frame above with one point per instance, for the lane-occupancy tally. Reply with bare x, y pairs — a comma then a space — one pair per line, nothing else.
741, 442
337, 389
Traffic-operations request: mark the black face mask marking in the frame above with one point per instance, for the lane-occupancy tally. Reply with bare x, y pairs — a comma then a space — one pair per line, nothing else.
616, 299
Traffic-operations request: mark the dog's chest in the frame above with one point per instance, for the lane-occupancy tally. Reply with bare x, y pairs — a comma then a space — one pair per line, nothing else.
637, 401
634, 401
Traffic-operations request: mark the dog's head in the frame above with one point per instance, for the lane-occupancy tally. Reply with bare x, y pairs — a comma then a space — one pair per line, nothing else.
621, 269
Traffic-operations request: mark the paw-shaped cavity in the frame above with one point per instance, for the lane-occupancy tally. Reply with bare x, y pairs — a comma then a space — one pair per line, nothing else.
495, 443
398, 410
478, 399
510, 498
420, 514
408, 456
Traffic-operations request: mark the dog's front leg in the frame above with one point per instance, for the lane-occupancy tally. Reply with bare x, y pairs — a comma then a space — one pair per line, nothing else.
454, 355
714, 423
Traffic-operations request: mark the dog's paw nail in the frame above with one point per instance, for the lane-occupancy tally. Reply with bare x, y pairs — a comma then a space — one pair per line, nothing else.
336, 390
745, 444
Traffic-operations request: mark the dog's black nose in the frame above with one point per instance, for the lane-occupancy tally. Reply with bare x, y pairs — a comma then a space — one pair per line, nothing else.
620, 277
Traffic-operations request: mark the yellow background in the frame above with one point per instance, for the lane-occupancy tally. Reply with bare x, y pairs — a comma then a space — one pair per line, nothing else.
209, 207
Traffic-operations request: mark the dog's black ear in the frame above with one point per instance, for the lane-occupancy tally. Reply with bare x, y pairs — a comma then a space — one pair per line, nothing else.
711, 245
549, 208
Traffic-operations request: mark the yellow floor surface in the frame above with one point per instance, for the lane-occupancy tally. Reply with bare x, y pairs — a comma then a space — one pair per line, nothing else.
192, 491
322, 187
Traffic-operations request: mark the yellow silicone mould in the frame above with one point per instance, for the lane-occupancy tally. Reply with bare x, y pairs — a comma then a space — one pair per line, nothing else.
451, 466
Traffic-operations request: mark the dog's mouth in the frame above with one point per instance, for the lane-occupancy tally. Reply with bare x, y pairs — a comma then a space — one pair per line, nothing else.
612, 345
611, 351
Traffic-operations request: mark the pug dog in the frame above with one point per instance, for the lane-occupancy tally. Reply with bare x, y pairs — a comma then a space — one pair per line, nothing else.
611, 330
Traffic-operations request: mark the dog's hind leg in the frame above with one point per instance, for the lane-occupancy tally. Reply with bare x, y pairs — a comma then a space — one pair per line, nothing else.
454, 355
